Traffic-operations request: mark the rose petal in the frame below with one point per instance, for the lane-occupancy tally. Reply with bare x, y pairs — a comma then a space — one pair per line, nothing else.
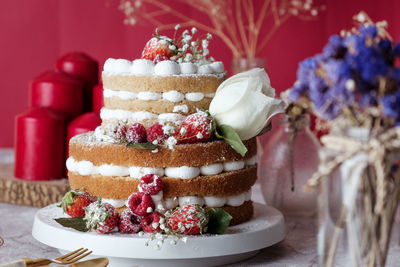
229, 97
246, 102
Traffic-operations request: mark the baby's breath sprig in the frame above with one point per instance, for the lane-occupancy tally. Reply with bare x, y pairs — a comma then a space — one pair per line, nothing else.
160, 238
188, 48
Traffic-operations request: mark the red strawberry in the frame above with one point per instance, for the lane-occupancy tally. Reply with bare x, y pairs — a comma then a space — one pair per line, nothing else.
155, 134
150, 184
195, 128
101, 217
120, 133
157, 46
136, 133
73, 203
141, 203
129, 222
152, 222
188, 220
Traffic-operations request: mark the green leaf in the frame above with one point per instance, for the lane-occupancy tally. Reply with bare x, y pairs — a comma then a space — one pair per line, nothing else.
77, 223
67, 200
230, 135
148, 146
218, 221
265, 129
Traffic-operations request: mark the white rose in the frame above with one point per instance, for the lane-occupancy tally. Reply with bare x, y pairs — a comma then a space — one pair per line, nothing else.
245, 102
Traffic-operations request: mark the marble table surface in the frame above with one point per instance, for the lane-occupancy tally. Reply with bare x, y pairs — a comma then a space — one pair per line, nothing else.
298, 248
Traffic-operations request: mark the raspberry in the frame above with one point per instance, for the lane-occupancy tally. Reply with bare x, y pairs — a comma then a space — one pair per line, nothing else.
73, 203
101, 217
188, 220
141, 203
197, 127
150, 184
136, 133
159, 58
155, 134
129, 222
152, 222
120, 133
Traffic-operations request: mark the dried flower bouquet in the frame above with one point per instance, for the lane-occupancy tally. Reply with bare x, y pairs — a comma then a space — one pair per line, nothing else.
354, 87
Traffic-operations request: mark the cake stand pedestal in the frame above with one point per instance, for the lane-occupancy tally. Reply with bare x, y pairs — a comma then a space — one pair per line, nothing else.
238, 243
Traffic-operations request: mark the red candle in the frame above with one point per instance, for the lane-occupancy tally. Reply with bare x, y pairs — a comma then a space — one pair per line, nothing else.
84, 123
39, 144
58, 91
83, 67
98, 98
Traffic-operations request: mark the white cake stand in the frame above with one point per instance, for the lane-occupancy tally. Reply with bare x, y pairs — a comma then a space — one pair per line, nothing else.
238, 243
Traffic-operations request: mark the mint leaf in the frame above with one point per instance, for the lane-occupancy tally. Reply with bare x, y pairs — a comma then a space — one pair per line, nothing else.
218, 221
77, 223
265, 129
230, 135
148, 146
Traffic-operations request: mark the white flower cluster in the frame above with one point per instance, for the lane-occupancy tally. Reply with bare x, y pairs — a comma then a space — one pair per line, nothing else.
297, 7
190, 49
128, 9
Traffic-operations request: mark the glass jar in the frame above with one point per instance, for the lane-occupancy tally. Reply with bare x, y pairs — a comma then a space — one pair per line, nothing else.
288, 160
353, 229
243, 64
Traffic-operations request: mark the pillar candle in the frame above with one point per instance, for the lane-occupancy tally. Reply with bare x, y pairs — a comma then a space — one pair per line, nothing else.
39, 144
81, 66
98, 98
84, 123
58, 91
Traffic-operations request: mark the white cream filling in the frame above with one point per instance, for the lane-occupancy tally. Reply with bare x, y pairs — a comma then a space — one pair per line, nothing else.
163, 68
85, 167
234, 165
194, 97
138, 116
124, 95
167, 67
215, 202
149, 96
183, 172
112, 170
170, 203
171, 96
212, 169
181, 109
138, 172
141, 67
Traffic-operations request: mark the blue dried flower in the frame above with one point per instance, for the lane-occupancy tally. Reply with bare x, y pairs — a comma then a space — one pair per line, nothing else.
349, 72
304, 72
335, 47
368, 31
391, 106
396, 50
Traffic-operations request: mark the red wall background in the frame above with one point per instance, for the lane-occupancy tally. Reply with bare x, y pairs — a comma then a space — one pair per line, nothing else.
34, 33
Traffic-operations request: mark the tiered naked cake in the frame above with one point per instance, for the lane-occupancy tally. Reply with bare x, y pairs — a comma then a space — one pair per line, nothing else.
207, 173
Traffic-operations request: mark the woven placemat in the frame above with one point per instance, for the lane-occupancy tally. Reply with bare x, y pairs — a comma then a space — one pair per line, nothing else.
30, 193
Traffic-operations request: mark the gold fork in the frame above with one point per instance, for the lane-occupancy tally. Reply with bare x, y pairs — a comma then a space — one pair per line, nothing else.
69, 258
